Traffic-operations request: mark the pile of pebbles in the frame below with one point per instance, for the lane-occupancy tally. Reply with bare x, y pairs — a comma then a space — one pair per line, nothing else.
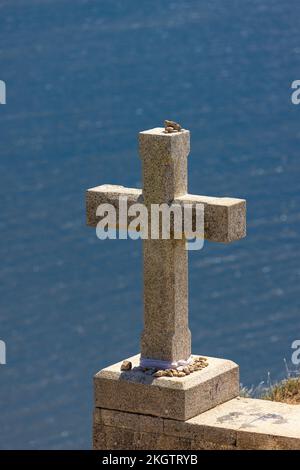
172, 126
197, 363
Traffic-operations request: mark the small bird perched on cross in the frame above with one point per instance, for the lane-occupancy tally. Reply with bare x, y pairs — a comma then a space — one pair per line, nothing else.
172, 126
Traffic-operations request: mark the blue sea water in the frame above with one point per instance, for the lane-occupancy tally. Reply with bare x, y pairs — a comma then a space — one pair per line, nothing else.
83, 78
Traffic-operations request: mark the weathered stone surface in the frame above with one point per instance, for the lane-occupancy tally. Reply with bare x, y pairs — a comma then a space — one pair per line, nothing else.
112, 438
254, 424
126, 365
164, 164
166, 335
260, 441
237, 424
133, 421
192, 429
110, 194
99, 438
175, 397
224, 217
116, 438
206, 445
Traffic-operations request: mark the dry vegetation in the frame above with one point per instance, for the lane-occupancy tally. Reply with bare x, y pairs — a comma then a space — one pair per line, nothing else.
287, 391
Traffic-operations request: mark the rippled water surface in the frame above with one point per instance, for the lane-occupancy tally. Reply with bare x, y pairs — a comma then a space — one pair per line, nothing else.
83, 77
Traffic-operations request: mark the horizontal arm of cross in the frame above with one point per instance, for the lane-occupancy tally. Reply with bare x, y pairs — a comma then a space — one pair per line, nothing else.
224, 218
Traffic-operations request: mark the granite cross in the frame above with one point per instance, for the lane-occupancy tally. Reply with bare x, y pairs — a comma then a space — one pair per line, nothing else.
166, 336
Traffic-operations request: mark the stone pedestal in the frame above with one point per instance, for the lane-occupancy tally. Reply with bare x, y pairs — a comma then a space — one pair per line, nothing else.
134, 393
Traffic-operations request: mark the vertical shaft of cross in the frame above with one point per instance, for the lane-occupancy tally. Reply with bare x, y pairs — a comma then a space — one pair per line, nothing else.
166, 335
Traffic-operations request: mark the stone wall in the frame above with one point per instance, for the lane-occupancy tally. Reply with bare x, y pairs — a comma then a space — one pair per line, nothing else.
240, 423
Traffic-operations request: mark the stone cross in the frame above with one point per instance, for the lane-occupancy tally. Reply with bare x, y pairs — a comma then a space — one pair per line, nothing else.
166, 336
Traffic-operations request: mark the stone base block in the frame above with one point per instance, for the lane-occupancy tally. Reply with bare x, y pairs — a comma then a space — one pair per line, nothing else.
178, 398
238, 424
